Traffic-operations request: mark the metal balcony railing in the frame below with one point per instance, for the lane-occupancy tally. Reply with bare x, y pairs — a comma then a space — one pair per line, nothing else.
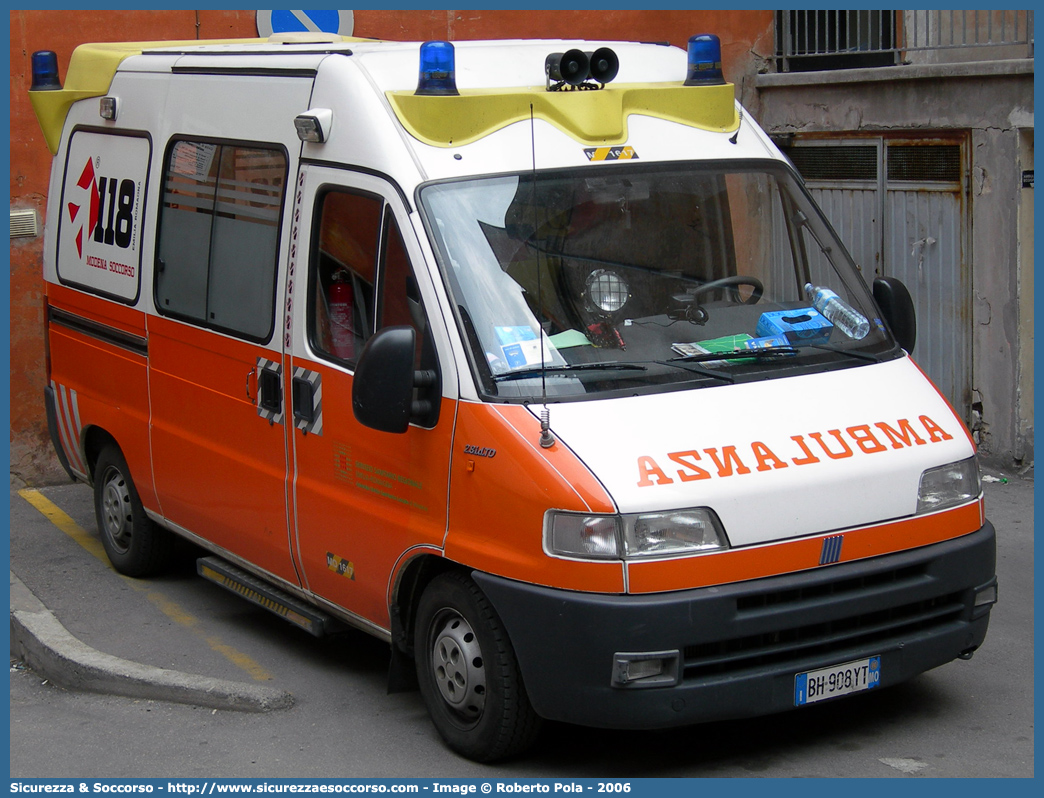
815, 40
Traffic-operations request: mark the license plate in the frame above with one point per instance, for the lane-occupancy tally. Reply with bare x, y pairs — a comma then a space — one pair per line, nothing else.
837, 680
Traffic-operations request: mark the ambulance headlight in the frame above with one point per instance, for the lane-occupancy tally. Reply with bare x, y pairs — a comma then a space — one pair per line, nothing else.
670, 534
676, 533
949, 486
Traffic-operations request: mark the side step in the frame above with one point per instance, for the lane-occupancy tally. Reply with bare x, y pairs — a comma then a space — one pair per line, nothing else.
259, 592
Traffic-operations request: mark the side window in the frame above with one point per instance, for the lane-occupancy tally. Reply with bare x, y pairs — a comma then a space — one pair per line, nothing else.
400, 297
361, 281
341, 312
219, 236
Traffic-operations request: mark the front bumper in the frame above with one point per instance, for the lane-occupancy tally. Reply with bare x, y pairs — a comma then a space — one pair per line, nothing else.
741, 645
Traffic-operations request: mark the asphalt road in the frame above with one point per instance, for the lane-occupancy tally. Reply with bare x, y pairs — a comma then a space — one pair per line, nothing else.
965, 719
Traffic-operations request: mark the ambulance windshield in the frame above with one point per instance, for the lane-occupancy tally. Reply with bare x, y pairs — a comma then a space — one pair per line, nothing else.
627, 278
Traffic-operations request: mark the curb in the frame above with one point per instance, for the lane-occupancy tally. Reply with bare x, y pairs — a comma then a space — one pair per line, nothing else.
43, 644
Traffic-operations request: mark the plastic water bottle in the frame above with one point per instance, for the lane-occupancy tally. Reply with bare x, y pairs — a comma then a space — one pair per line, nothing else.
838, 312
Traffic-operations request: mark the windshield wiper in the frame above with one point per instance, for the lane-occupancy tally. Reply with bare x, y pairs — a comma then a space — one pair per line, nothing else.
559, 369
711, 373
766, 353
858, 355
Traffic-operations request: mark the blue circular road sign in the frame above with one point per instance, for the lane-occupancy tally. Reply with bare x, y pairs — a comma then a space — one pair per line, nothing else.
325, 21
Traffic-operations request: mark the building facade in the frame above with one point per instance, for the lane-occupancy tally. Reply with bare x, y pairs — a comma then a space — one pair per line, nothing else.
915, 132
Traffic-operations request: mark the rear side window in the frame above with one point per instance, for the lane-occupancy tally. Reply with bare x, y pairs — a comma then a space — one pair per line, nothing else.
219, 236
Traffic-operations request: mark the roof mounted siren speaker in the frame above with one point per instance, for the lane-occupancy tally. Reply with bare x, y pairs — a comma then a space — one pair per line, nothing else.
570, 67
604, 65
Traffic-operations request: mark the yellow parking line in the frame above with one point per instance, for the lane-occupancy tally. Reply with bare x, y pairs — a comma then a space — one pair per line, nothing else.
61, 520
257, 673
171, 609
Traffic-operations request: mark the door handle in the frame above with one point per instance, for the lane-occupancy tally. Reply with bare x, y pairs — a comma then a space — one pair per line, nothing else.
271, 391
251, 384
304, 404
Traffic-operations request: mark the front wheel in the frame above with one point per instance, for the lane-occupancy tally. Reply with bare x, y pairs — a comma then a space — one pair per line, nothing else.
468, 673
134, 544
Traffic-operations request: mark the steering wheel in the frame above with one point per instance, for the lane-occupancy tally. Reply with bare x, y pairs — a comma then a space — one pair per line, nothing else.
732, 282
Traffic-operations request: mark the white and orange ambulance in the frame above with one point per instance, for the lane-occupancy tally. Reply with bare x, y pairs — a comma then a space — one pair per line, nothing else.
532, 358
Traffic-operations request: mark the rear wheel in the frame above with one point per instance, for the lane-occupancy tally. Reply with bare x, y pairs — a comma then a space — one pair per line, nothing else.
468, 673
134, 544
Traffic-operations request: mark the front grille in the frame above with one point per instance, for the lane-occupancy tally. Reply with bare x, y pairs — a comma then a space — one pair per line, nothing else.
839, 588
816, 639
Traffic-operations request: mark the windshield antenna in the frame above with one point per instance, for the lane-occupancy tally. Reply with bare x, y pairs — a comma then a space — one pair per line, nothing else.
547, 438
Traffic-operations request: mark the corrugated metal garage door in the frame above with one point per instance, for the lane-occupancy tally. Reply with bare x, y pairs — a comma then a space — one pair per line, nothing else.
899, 205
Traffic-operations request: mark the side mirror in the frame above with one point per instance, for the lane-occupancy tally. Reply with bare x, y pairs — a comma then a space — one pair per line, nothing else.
897, 307
382, 391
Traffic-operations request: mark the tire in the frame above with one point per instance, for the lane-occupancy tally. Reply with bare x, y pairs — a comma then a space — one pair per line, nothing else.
468, 673
134, 544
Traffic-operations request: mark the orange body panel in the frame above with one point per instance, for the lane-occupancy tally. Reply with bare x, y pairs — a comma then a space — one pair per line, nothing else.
362, 498
110, 381
220, 467
801, 555
499, 500
103, 311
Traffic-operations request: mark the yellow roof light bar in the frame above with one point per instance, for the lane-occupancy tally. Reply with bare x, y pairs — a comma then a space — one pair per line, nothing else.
590, 117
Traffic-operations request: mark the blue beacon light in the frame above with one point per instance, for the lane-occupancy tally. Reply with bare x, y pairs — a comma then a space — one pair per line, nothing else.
45, 71
437, 69
704, 61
